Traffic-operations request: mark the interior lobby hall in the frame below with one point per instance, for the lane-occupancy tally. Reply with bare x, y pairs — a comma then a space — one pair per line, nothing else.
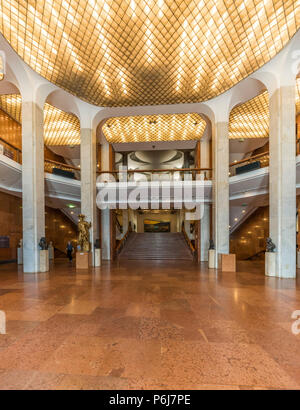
149, 195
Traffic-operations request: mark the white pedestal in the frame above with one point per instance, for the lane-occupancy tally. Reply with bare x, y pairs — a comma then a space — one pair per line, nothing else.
298, 259
44, 261
97, 258
270, 264
20, 256
51, 252
211, 259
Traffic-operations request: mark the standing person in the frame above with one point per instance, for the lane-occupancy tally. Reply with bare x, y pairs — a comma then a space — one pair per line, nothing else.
70, 250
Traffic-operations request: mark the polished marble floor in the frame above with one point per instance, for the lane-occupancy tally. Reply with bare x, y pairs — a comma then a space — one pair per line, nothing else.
148, 325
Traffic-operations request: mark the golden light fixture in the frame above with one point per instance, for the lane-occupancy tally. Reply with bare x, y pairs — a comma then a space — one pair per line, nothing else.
146, 128
147, 52
60, 128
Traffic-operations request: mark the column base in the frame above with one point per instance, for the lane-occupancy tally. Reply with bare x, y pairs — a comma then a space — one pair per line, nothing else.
44, 261
97, 257
212, 259
20, 256
270, 264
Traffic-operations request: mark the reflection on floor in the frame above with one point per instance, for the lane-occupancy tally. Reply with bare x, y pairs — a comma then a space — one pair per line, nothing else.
148, 324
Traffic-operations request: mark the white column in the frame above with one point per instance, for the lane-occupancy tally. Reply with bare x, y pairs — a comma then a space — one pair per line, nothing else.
283, 180
205, 233
33, 184
205, 221
88, 181
105, 213
220, 149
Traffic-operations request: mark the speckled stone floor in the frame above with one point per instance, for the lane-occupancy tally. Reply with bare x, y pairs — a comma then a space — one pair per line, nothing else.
148, 325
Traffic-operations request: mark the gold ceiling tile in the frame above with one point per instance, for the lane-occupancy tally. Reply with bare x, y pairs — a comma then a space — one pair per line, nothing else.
169, 51
150, 128
60, 128
251, 119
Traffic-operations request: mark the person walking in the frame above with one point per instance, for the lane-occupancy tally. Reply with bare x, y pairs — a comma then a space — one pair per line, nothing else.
70, 251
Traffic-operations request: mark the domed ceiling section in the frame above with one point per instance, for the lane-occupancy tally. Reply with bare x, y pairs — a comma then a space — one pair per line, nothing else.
146, 128
147, 52
252, 119
60, 128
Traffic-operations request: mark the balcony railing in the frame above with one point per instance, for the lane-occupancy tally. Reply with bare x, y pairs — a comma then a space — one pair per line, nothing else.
173, 174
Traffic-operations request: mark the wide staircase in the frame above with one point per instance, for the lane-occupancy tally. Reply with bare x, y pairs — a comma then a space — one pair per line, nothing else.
156, 246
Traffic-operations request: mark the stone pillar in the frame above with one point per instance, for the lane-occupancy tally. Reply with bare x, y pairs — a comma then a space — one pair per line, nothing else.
105, 213
33, 184
282, 168
205, 233
205, 162
88, 181
220, 146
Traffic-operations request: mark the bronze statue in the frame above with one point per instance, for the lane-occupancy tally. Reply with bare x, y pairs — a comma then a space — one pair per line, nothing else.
84, 234
43, 244
270, 245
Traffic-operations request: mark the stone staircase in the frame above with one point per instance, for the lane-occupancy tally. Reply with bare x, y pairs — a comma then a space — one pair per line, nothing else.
156, 246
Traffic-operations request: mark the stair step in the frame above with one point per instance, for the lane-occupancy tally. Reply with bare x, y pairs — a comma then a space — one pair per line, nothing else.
155, 246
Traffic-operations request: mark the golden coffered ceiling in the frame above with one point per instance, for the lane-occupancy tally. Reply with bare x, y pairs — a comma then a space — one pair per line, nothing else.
145, 128
60, 128
251, 120
147, 52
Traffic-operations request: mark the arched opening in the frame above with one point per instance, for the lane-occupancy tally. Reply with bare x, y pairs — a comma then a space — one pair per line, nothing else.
163, 148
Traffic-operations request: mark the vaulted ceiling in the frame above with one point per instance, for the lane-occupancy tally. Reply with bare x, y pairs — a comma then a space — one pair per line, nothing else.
147, 52
146, 128
60, 128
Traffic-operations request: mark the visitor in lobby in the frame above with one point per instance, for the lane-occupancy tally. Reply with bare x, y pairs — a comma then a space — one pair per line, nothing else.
70, 250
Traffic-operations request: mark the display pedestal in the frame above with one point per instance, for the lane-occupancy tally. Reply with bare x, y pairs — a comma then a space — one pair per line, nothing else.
228, 262
83, 260
44, 261
298, 259
211, 259
270, 264
51, 252
20, 256
97, 258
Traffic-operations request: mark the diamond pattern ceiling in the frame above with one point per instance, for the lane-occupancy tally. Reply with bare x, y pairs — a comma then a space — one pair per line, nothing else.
147, 52
145, 128
251, 120
60, 128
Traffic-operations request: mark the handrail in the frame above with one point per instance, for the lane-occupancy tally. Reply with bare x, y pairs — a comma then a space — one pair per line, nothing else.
152, 171
189, 242
263, 154
10, 145
61, 164
122, 241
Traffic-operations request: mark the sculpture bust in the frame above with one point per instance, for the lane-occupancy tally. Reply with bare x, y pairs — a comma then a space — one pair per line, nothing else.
211, 245
270, 245
84, 234
43, 244
20, 245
